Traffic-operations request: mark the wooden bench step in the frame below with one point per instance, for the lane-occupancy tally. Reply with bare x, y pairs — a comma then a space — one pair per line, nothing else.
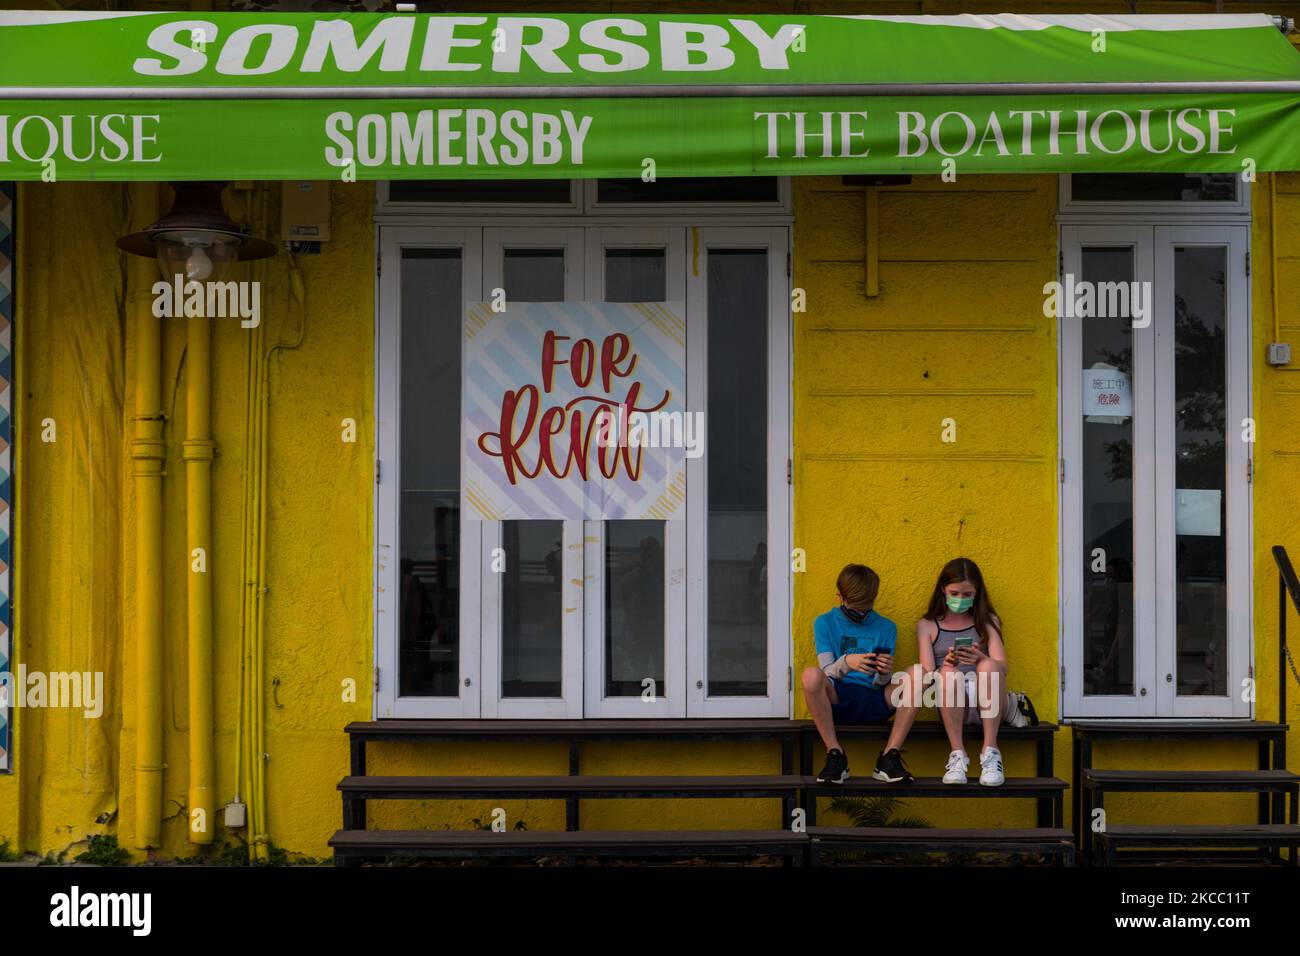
1188, 781
351, 845
935, 787
630, 786
1053, 840
932, 730
1228, 834
597, 729
1177, 729
589, 786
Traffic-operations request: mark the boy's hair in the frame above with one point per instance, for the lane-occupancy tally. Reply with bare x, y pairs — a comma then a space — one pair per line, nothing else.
858, 585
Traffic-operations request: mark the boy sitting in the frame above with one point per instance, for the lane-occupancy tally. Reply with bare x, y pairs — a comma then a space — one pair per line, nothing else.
855, 648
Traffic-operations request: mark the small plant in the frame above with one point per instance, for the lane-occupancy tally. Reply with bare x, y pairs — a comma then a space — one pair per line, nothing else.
7, 855
872, 812
230, 854
54, 859
876, 812
104, 851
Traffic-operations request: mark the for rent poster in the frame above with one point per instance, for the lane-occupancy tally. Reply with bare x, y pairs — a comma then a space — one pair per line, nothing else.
576, 410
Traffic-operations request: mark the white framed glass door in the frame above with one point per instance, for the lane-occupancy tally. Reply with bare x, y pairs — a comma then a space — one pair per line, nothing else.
552, 619
1155, 508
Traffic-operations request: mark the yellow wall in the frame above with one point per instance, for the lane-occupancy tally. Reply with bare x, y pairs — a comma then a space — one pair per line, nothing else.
956, 332
75, 563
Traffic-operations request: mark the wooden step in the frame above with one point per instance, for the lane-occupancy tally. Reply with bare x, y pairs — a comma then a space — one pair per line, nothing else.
1052, 840
1221, 834
588, 786
932, 730
1239, 835
1177, 729
353, 845
1191, 781
935, 787
605, 729
630, 786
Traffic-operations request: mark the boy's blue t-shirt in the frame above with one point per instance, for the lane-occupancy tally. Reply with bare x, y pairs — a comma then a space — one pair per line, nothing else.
835, 634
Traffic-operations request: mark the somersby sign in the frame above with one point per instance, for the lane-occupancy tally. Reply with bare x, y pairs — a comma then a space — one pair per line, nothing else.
156, 96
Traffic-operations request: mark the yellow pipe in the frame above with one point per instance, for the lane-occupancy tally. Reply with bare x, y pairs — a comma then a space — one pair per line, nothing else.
258, 709
147, 450
198, 454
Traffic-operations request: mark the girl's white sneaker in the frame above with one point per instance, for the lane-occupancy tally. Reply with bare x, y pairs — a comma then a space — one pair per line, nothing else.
958, 763
991, 767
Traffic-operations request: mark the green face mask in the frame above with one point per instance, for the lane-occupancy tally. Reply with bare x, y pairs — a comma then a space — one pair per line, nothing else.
959, 604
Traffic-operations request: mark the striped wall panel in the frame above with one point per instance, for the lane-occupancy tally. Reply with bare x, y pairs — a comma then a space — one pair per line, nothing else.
8, 217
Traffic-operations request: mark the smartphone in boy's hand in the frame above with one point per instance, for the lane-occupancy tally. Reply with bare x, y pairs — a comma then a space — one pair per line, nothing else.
865, 663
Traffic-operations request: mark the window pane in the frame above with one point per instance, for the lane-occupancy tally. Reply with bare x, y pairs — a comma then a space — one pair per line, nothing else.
429, 633
553, 191
689, 189
534, 275
531, 612
1200, 469
634, 607
1154, 187
737, 466
636, 275
1108, 653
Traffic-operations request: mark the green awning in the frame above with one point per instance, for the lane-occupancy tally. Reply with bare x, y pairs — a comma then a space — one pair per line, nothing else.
159, 96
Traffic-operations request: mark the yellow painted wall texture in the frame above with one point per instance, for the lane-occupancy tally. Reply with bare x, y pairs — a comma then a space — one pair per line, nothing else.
956, 332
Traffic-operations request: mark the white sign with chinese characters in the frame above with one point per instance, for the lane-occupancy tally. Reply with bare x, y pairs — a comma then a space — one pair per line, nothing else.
1107, 393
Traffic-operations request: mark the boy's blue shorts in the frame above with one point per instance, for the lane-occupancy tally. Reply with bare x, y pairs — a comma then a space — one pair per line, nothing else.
860, 704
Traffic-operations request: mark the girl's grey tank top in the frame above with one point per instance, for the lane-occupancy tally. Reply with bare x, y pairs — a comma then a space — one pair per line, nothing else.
943, 642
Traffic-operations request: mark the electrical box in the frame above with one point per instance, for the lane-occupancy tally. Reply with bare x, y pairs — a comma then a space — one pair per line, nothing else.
305, 211
235, 815
1279, 353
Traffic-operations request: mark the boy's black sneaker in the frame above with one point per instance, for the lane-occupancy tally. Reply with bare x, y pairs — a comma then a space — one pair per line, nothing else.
836, 769
891, 769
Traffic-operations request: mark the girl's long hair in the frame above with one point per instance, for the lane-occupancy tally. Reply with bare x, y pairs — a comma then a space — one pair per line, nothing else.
964, 569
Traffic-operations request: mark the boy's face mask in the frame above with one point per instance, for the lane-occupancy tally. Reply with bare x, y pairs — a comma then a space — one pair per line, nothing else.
854, 615
959, 604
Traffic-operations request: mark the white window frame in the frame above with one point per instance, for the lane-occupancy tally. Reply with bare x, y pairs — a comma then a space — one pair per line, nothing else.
471, 233
1153, 480
1078, 211
583, 205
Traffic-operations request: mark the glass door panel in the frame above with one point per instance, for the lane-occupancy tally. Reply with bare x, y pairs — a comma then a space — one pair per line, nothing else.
532, 570
426, 600
1108, 564
1204, 516
739, 548
635, 580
